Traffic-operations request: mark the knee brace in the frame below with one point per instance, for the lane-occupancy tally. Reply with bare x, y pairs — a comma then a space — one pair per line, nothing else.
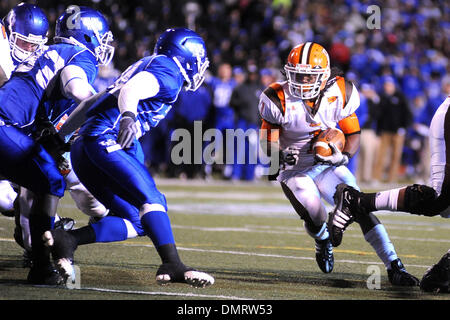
419, 199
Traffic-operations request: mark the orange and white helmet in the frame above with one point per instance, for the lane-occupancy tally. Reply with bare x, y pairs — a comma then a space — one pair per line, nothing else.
307, 70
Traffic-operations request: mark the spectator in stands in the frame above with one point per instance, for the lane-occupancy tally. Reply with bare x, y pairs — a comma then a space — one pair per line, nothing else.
191, 112
244, 101
395, 117
222, 87
369, 140
411, 45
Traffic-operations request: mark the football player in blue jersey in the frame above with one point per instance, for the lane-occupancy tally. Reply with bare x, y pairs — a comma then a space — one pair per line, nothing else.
23, 31
65, 70
108, 158
27, 27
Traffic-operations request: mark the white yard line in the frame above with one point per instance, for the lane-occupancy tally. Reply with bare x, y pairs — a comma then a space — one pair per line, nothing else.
161, 293
266, 255
245, 253
221, 195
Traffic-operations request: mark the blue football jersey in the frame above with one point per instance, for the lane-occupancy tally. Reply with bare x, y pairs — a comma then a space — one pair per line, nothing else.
104, 115
36, 80
222, 91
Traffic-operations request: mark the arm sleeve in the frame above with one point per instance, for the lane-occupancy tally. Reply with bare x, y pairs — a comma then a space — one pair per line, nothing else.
75, 84
143, 85
350, 125
269, 132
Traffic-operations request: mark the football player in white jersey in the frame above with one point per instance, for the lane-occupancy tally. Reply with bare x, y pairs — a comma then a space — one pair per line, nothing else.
293, 112
6, 62
415, 199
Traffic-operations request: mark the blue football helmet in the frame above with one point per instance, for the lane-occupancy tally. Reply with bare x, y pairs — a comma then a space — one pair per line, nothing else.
27, 28
87, 28
188, 50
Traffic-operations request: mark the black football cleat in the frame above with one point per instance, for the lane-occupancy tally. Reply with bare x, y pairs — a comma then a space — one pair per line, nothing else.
437, 277
45, 275
398, 276
324, 255
171, 273
62, 245
346, 205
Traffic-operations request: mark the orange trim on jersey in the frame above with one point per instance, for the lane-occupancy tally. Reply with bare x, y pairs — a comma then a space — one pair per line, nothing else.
341, 83
309, 103
269, 131
350, 124
3, 31
276, 95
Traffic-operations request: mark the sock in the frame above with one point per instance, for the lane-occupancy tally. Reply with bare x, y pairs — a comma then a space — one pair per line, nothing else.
157, 226
110, 229
84, 235
387, 200
38, 225
378, 238
322, 234
368, 201
168, 253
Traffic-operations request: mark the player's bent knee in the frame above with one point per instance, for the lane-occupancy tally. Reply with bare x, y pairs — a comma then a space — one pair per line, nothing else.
149, 207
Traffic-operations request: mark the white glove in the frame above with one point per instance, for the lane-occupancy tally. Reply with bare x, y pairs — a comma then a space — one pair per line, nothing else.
337, 158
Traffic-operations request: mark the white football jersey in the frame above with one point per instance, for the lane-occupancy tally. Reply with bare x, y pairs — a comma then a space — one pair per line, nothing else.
438, 148
6, 61
297, 125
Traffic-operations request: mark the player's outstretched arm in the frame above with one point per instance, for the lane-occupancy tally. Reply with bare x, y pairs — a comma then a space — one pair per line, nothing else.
78, 116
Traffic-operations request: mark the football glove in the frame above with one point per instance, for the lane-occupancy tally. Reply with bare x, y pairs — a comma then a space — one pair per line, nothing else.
337, 158
127, 130
289, 156
48, 137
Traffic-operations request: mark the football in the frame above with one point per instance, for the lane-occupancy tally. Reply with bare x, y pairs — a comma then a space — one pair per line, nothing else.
320, 145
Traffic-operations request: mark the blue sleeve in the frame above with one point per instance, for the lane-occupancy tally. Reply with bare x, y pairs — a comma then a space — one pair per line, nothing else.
85, 60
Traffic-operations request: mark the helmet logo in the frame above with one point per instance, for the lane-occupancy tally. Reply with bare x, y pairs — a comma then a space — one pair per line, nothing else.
197, 49
74, 16
92, 23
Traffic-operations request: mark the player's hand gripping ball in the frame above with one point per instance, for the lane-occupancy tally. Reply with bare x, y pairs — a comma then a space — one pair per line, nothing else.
321, 145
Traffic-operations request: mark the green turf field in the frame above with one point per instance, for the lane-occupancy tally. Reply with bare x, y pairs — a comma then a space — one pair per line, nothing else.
248, 237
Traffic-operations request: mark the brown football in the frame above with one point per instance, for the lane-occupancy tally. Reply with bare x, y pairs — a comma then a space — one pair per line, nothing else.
320, 145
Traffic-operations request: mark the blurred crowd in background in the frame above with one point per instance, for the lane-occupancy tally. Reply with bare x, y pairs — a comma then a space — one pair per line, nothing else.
401, 70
